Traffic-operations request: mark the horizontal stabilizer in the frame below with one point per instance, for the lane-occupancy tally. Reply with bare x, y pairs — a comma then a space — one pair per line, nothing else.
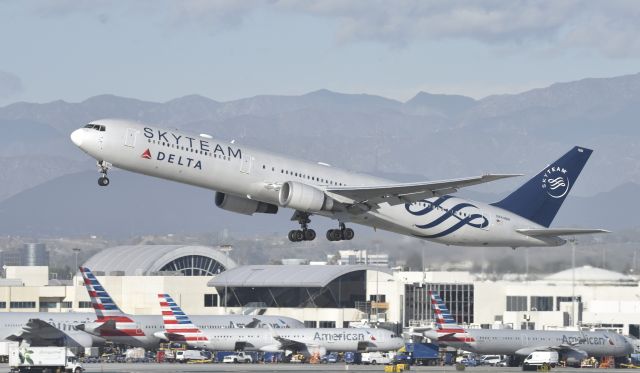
552, 232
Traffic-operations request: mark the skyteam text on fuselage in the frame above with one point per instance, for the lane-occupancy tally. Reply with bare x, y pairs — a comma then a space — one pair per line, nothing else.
248, 181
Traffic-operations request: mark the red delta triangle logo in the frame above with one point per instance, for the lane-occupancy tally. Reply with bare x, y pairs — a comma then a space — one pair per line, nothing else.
146, 154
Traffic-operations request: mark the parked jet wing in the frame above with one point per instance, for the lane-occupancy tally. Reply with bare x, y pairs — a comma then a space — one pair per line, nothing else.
560, 348
396, 194
37, 332
552, 232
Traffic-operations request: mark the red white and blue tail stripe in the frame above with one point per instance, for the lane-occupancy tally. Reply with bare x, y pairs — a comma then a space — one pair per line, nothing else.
446, 327
177, 324
106, 309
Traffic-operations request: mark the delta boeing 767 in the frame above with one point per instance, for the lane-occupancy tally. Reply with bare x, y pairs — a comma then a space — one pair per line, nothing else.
248, 181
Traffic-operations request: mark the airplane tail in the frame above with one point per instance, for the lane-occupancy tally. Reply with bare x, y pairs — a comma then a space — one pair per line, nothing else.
177, 324
540, 198
447, 329
444, 320
103, 304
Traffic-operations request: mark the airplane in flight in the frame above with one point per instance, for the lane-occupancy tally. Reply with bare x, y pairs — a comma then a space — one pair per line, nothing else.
148, 330
307, 341
572, 346
248, 181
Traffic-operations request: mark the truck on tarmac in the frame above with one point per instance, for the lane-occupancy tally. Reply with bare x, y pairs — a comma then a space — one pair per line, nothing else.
423, 353
539, 359
239, 357
43, 359
374, 358
192, 355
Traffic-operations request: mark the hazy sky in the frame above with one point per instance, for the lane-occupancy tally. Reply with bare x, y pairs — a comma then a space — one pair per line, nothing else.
159, 50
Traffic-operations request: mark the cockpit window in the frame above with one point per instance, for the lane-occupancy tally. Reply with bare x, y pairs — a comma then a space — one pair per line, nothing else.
96, 127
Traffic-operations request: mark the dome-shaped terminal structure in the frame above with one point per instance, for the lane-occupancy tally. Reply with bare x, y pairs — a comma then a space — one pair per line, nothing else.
144, 260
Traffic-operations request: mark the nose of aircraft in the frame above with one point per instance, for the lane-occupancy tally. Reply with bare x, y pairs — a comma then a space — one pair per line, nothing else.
77, 137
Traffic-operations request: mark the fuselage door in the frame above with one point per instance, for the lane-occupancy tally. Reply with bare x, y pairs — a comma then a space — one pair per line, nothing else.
130, 137
245, 164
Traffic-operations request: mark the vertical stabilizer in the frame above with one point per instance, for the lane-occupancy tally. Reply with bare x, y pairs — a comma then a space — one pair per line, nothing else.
447, 328
540, 198
103, 304
177, 324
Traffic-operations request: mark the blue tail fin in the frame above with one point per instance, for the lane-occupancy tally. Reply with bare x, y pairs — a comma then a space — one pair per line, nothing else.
540, 198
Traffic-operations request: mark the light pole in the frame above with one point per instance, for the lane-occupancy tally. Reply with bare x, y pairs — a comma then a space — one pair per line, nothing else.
226, 249
76, 251
573, 281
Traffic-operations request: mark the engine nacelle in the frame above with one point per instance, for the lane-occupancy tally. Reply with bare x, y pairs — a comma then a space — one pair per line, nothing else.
243, 205
573, 357
303, 197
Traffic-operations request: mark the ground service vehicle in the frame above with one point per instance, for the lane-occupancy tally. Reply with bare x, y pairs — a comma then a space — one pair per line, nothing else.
423, 353
185, 355
43, 359
491, 360
239, 357
539, 359
376, 358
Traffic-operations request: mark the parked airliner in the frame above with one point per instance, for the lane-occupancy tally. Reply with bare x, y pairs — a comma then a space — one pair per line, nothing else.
148, 330
304, 340
48, 329
248, 181
573, 346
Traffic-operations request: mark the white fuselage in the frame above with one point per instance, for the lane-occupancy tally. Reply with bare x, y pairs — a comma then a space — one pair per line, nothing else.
149, 331
313, 340
14, 324
510, 342
250, 173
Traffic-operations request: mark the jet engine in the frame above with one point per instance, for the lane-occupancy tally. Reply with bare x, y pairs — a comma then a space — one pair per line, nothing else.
574, 357
82, 339
243, 205
303, 197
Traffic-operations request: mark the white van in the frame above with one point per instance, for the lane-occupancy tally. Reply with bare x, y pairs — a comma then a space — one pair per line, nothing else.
376, 358
186, 355
539, 358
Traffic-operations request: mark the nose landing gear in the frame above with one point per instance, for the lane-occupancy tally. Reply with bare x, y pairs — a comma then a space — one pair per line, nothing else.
305, 233
343, 233
103, 168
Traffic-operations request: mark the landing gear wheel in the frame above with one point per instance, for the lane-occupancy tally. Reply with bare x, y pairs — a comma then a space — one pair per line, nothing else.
334, 235
348, 234
103, 168
103, 181
309, 235
304, 234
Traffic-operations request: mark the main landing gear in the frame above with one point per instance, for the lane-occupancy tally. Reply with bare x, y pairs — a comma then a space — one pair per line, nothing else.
305, 233
103, 168
343, 233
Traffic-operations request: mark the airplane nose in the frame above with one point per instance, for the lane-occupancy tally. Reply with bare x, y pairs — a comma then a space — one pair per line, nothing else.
77, 136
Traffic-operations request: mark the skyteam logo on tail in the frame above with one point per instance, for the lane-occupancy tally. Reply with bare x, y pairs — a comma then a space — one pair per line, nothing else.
555, 181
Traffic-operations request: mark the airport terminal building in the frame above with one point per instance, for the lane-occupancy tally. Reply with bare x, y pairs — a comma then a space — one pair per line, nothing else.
204, 280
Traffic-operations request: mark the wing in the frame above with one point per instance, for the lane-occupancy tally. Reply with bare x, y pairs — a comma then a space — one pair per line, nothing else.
552, 232
396, 194
38, 331
563, 347
290, 344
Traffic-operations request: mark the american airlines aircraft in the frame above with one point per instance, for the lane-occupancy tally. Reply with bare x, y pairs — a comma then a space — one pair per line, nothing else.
573, 346
147, 330
248, 181
48, 329
305, 340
